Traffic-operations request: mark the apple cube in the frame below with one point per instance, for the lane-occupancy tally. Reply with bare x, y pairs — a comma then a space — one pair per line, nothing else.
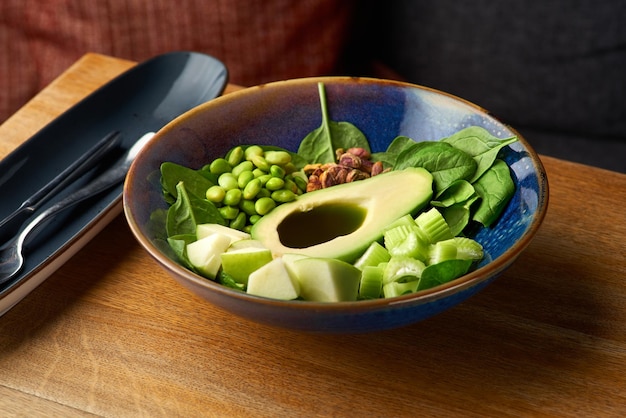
327, 279
204, 230
273, 281
205, 254
240, 263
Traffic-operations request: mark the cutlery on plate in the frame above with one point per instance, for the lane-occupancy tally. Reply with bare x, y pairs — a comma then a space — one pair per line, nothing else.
10, 225
12, 253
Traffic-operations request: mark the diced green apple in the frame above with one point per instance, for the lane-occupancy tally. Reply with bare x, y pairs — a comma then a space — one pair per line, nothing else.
239, 264
205, 254
204, 230
273, 281
327, 279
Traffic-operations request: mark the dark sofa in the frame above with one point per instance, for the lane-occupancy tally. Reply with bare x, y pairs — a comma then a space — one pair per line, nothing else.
554, 70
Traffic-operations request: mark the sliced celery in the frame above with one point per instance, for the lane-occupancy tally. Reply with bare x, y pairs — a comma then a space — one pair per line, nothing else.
406, 220
415, 245
434, 225
394, 237
467, 248
394, 289
373, 256
403, 269
442, 251
371, 282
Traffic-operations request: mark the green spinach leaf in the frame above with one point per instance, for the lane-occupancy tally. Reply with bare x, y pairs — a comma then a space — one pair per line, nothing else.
178, 244
189, 211
457, 192
495, 189
443, 272
172, 174
480, 144
320, 144
446, 163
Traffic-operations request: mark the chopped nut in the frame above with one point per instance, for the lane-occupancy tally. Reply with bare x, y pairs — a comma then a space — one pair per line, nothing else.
359, 152
314, 183
350, 160
310, 168
377, 168
355, 175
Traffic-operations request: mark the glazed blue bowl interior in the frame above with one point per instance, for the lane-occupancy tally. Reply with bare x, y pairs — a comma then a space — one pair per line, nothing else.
283, 113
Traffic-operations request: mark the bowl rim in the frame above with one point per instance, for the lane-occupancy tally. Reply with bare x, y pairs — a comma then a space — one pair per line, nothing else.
475, 277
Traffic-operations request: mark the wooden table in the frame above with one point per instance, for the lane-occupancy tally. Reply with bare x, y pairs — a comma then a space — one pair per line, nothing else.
111, 334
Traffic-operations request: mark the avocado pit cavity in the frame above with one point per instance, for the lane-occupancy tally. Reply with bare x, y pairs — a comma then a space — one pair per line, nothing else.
320, 224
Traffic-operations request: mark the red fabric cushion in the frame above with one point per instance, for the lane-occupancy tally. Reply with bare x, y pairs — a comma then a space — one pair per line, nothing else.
258, 41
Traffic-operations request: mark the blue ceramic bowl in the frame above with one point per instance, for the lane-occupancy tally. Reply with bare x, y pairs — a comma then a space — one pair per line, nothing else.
282, 113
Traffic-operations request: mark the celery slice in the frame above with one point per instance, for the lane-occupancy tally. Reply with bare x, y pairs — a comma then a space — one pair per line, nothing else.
442, 251
434, 225
415, 245
403, 269
395, 236
467, 248
406, 220
373, 256
393, 289
371, 282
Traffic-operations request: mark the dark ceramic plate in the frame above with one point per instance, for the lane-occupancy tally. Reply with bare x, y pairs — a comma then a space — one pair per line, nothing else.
141, 100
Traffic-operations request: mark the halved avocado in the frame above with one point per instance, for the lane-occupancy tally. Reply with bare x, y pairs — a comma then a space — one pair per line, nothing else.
342, 221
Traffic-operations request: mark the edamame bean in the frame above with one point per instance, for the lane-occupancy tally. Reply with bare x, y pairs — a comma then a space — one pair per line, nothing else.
219, 166
229, 212
258, 172
254, 219
247, 206
252, 188
263, 193
264, 178
260, 162
283, 196
278, 157
300, 182
277, 171
235, 156
244, 178
274, 183
252, 151
264, 205
232, 197
227, 181
215, 194
239, 222
241, 167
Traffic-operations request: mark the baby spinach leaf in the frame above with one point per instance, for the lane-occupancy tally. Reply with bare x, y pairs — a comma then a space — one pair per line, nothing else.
495, 189
480, 144
188, 211
320, 144
395, 148
443, 272
446, 163
178, 244
172, 174
457, 192
457, 216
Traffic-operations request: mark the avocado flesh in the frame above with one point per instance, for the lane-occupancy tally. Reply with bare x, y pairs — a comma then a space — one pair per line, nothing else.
342, 221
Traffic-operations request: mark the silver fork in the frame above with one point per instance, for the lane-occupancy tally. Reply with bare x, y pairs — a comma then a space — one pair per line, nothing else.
10, 225
12, 253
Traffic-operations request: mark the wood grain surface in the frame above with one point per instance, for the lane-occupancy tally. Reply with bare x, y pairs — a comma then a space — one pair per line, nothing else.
110, 334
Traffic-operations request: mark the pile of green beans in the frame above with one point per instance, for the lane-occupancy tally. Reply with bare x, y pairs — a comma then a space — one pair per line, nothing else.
251, 182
